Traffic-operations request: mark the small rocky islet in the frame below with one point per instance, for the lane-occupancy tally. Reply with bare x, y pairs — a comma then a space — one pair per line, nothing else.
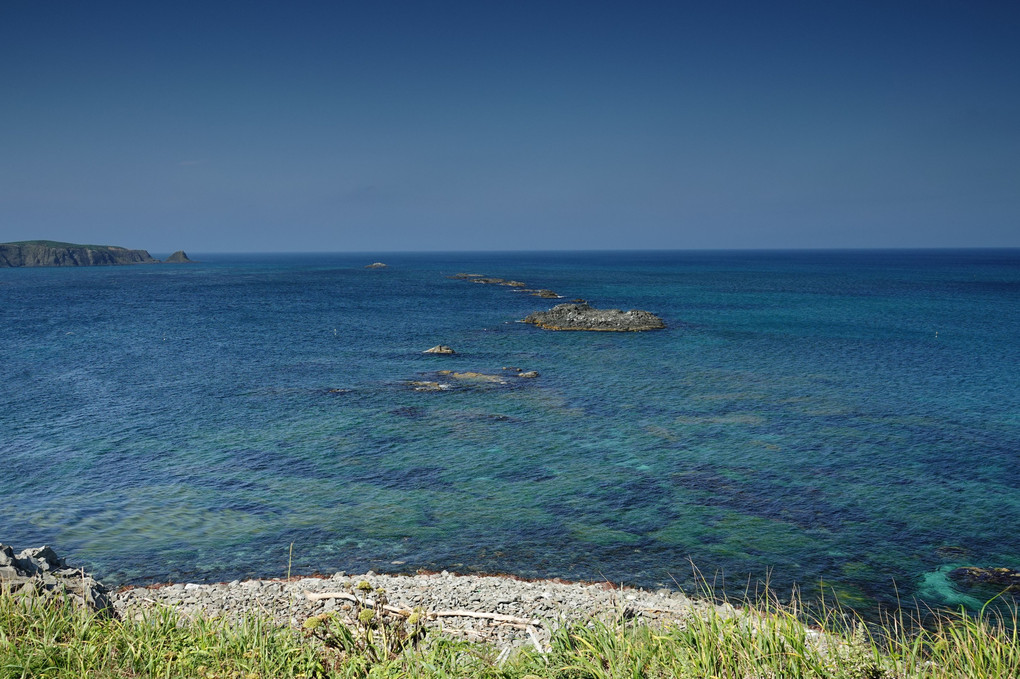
585, 317
179, 257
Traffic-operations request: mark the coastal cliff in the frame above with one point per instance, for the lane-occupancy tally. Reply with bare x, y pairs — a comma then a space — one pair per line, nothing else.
52, 253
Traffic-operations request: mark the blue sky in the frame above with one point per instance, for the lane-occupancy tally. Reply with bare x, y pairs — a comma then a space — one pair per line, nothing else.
258, 126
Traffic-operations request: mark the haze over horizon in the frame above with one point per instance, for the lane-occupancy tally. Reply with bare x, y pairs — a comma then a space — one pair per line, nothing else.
527, 126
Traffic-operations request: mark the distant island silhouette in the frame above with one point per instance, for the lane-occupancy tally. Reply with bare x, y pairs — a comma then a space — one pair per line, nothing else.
32, 253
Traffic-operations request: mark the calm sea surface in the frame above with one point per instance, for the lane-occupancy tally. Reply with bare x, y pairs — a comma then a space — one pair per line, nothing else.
846, 420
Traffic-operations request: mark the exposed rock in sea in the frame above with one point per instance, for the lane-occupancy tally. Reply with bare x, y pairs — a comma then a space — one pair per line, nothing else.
445, 380
1005, 578
586, 317
428, 385
472, 377
439, 349
40, 573
52, 253
546, 294
375, 265
179, 257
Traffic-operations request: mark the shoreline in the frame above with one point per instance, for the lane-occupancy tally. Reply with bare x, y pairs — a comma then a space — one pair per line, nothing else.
497, 609
494, 609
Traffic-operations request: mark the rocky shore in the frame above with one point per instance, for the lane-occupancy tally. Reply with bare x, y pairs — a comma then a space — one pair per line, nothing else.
491, 609
488, 609
39, 572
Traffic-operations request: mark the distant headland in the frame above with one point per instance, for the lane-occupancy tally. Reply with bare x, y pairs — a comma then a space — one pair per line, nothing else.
53, 253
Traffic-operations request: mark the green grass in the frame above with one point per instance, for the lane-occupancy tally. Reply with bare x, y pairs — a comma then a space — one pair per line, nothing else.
58, 641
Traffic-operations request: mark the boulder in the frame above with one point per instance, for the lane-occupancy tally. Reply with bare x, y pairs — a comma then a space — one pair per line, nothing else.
375, 265
40, 573
545, 294
530, 374
439, 349
587, 317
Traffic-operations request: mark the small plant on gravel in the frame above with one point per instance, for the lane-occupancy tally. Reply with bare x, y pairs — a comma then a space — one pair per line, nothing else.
372, 633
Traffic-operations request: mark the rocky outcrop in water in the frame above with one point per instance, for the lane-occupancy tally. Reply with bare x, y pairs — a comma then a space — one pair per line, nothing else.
39, 572
439, 349
519, 286
51, 253
587, 317
1005, 578
179, 257
447, 380
375, 265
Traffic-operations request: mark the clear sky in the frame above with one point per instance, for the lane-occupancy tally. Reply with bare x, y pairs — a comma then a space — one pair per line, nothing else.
371, 126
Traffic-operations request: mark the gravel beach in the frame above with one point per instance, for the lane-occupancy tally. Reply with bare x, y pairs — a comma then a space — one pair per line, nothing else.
492, 609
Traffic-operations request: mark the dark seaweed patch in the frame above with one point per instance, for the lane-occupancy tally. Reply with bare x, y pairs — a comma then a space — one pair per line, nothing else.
766, 498
410, 412
411, 478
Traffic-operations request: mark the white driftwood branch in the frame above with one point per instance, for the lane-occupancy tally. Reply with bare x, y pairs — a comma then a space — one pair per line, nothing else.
496, 617
319, 596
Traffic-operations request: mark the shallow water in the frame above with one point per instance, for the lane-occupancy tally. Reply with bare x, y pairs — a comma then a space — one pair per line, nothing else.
846, 420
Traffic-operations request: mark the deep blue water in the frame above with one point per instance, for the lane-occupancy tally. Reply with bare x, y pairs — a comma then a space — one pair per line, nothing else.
847, 420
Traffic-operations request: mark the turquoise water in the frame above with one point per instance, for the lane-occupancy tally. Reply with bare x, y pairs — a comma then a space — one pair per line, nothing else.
846, 420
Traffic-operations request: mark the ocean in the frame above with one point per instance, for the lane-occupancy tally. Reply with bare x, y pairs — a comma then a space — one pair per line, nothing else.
843, 422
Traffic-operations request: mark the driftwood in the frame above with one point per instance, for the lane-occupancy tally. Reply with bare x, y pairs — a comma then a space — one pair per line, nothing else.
495, 617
